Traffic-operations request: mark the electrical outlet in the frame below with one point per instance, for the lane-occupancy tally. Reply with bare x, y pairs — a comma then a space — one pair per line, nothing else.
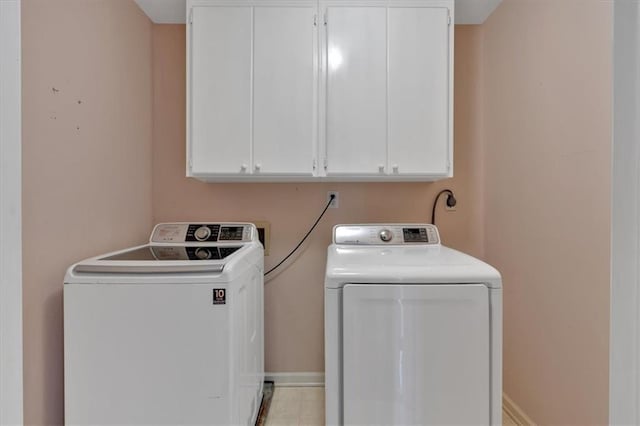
336, 201
450, 203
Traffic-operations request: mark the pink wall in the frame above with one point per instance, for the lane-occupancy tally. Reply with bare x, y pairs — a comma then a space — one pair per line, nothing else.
547, 107
294, 298
86, 163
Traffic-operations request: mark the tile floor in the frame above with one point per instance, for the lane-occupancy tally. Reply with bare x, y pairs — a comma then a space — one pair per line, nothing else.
296, 406
304, 406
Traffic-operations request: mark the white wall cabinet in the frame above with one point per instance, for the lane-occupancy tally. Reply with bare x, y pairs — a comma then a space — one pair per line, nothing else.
252, 91
220, 91
338, 90
356, 141
418, 79
285, 90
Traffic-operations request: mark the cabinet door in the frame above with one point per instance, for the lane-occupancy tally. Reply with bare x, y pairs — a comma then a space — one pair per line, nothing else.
285, 80
356, 122
220, 90
418, 88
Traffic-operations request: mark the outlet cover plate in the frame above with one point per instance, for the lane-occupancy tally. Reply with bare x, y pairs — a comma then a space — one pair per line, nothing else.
336, 201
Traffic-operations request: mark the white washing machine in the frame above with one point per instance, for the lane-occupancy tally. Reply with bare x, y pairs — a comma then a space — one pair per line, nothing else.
413, 330
170, 332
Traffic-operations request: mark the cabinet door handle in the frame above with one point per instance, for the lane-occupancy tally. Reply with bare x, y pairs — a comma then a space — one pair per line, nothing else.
395, 168
258, 167
243, 168
381, 168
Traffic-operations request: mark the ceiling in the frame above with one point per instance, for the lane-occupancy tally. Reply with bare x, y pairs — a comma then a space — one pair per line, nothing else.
174, 11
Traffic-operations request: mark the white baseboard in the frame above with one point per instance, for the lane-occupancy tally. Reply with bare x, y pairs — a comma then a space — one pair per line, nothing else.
515, 412
295, 379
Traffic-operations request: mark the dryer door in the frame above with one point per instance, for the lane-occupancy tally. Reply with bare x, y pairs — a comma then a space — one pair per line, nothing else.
416, 354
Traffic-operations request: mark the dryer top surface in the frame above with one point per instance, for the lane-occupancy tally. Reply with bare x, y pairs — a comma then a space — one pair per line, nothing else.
420, 264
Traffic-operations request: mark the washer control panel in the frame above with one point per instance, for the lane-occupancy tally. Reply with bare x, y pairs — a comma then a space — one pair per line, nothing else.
203, 233
381, 234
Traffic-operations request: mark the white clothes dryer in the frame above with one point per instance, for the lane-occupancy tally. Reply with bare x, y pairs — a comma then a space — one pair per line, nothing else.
170, 332
413, 330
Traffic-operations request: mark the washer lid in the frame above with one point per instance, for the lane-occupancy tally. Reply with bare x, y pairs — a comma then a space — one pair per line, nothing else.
152, 258
169, 253
404, 264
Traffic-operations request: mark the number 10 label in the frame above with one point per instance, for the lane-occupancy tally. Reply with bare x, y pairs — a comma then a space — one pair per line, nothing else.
219, 296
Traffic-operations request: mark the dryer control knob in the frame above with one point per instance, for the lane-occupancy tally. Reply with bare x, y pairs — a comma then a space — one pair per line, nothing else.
386, 235
203, 233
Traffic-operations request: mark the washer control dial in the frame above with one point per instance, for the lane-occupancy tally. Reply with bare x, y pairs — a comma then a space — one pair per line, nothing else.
386, 235
202, 233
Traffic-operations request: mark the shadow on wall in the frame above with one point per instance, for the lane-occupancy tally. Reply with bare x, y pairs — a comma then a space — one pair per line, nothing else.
53, 322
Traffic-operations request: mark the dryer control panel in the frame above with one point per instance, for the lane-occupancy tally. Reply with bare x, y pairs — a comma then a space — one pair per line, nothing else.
203, 233
386, 233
